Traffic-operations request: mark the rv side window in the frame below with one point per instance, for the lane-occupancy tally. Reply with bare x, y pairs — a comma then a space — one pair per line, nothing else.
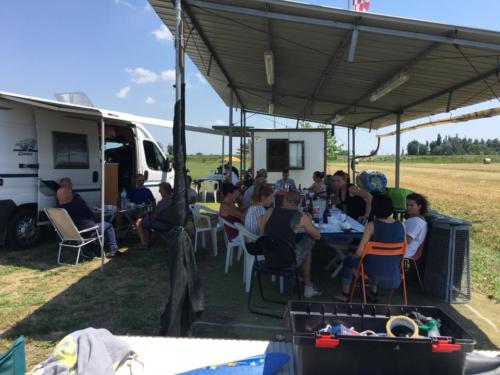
154, 158
71, 151
282, 153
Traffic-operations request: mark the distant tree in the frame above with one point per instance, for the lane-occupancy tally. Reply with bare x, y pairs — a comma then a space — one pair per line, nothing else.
170, 149
423, 149
332, 149
446, 148
413, 147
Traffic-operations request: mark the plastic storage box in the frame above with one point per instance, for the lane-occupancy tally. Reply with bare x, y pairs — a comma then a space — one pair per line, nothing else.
318, 353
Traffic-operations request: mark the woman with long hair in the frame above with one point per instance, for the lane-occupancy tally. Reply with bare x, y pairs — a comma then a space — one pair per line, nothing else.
262, 199
349, 198
228, 210
318, 185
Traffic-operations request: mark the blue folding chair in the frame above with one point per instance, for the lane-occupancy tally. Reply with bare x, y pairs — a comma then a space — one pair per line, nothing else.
13, 361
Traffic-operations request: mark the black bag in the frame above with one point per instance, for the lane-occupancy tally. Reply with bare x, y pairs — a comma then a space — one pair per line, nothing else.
278, 253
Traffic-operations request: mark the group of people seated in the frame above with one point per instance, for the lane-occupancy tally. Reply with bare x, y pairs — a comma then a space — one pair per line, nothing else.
259, 217
159, 218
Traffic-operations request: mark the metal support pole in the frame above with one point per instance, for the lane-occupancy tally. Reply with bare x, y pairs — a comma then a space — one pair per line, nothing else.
398, 148
348, 151
222, 154
103, 185
230, 161
245, 141
241, 145
353, 162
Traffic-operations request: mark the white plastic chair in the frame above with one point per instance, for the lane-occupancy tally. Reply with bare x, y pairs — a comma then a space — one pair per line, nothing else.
69, 235
203, 224
230, 245
248, 259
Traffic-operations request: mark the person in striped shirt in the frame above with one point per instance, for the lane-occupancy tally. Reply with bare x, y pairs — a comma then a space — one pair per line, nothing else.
262, 198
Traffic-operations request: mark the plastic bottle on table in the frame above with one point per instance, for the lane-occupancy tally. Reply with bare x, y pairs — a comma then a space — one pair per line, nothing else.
326, 212
123, 199
316, 210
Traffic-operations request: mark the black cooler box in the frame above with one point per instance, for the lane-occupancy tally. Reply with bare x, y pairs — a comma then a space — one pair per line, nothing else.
316, 353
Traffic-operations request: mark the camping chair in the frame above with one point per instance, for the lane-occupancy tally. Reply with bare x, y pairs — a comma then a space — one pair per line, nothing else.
13, 361
413, 260
230, 245
248, 258
396, 274
69, 235
203, 224
266, 245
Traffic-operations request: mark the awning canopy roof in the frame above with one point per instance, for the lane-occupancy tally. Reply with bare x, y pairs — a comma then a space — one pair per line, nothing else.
328, 62
111, 117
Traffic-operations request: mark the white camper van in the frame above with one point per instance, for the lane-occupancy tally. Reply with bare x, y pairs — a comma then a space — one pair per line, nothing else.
42, 141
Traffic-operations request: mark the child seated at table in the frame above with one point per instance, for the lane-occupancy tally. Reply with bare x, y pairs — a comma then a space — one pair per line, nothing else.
384, 229
415, 224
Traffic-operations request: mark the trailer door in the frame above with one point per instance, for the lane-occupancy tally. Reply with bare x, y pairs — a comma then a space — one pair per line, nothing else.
67, 147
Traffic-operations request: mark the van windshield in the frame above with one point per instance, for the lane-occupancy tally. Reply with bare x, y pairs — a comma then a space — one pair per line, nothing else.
154, 157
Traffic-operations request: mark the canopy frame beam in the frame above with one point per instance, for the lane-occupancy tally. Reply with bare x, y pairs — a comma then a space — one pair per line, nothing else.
439, 93
342, 25
210, 48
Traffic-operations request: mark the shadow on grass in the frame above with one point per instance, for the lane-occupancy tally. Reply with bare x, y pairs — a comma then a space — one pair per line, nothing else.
129, 296
42, 257
126, 298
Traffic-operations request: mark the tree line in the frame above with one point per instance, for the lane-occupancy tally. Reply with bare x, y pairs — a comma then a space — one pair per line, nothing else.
454, 146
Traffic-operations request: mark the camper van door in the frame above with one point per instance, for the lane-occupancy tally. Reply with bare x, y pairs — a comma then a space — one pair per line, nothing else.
154, 167
68, 146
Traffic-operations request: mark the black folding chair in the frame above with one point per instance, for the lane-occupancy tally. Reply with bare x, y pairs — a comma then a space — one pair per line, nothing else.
279, 261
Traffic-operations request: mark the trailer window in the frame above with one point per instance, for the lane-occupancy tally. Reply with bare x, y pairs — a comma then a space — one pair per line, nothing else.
296, 154
154, 157
71, 151
282, 154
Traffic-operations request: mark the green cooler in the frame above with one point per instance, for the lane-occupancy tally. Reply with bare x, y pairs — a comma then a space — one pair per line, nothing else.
398, 196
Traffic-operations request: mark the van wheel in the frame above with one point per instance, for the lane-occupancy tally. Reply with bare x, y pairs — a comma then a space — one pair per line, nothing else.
23, 230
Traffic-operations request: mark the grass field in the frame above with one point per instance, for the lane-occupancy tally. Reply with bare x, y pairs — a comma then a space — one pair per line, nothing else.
44, 302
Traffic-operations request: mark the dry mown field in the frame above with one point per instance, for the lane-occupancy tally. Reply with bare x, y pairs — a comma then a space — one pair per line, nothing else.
469, 191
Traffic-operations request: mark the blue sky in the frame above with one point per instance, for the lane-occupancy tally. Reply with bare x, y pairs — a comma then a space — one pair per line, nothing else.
117, 52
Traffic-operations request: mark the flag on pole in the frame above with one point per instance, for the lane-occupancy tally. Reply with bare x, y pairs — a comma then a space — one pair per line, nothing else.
361, 5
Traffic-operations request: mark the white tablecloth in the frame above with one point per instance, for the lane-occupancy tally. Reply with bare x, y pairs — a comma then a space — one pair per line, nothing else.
168, 355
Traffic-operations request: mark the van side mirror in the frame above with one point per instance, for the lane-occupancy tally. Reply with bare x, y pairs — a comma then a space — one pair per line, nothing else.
167, 165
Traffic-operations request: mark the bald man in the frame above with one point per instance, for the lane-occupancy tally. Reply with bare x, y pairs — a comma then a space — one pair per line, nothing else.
83, 218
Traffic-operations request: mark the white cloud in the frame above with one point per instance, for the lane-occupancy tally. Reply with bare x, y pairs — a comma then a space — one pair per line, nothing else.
123, 92
163, 33
142, 75
150, 100
220, 122
168, 75
201, 78
126, 3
